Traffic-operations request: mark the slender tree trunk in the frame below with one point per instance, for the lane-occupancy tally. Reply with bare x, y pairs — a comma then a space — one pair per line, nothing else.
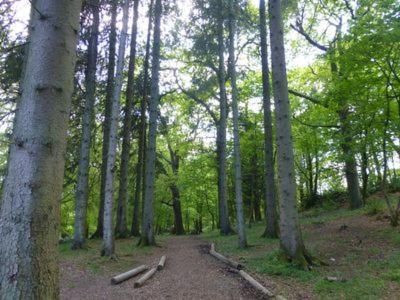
271, 229
29, 216
290, 233
316, 175
224, 223
377, 168
121, 229
236, 138
364, 172
394, 211
140, 167
82, 190
176, 198
108, 229
147, 234
107, 114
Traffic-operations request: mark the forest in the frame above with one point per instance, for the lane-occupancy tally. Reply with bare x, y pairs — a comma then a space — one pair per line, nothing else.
255, 141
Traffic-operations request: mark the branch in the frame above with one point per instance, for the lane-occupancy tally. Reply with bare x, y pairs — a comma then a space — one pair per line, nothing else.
315, 125
348, 6
307, 97
299, 28
166, 203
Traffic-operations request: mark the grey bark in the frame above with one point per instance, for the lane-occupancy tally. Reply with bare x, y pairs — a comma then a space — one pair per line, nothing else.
271, 229
224, 223
350, 163
108, 230
107, 114
140, 167
29, 216
290, 234
121, 229
236, 138
147, 234
82, 190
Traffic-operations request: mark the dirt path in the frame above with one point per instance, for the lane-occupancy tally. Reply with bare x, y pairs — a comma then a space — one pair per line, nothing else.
189, 273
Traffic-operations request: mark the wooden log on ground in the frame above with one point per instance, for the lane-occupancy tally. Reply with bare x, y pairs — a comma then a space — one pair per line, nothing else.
258, 286
138, 283
224, 259
124, 276
161, 264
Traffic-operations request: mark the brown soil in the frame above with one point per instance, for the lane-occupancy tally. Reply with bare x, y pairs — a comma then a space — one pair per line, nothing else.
189, 273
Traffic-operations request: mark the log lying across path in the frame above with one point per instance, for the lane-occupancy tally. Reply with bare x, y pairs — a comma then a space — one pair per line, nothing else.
224, 259
161, 264
138, 283
124, 276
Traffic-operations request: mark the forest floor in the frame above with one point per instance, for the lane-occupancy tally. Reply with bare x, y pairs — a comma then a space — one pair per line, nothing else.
189, 273
361, 247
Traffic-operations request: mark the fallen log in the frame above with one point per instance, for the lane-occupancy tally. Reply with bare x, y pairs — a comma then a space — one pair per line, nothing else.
138, 283
124, 276
224, 259
258, 286
161, 264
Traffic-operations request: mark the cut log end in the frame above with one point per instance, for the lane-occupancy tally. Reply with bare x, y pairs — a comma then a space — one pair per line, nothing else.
161, 264
224, 259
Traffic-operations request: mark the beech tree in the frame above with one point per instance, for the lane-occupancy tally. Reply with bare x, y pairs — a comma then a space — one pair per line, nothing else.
29, 217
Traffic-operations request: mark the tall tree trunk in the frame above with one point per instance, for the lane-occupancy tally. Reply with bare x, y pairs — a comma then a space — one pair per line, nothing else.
140, 167
176, 205
30, 211
121, 229
236, 138
350, 163
271, 229
108, 229
107, 114
290, 233
224, 223
147, 234
82, 190
176, 198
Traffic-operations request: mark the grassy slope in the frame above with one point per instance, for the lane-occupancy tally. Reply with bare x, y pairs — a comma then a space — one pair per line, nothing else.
364, 253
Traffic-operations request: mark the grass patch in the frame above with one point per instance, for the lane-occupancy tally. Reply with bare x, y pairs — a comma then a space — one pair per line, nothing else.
369, 271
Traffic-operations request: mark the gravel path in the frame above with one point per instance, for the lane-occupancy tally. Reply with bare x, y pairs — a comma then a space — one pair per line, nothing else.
189, 273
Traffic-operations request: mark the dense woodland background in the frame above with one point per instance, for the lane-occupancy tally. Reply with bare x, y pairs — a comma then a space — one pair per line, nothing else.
360, 38
208, 64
